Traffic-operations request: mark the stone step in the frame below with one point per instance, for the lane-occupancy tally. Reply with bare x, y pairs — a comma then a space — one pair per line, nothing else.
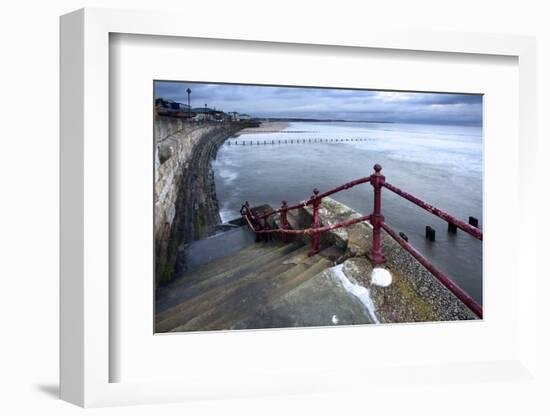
232, 309
243, 257
191, 301
277, 259
202, 252
261, 252
249, 251
256, 319
321, 300
252, 286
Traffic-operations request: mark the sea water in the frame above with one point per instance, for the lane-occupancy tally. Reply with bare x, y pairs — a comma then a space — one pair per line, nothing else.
440, 164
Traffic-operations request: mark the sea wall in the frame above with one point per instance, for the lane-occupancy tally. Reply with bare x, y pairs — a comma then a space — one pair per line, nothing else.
414, 294
186, 206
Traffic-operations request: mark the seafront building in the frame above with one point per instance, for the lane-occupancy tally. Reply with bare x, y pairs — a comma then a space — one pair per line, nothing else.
171, 108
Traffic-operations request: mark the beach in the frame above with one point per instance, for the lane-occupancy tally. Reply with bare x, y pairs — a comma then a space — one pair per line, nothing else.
265, 127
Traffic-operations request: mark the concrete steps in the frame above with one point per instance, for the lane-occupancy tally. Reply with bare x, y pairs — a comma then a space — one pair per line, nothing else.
237, 308
220, 271
225, 243
204, 284
221, 294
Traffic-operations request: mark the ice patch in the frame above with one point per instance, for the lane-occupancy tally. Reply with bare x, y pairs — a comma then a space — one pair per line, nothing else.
381, 277
360, 292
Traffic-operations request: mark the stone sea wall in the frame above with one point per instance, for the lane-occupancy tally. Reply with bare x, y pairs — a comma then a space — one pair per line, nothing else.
186, 206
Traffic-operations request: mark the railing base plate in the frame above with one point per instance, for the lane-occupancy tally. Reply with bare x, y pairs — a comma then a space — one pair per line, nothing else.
376, 258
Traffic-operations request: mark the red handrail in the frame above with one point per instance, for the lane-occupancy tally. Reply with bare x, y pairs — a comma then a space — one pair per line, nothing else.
376, 219
448, 283
303, 204
309, 231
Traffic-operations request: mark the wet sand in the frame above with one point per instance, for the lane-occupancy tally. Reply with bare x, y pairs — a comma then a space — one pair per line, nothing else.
265, 127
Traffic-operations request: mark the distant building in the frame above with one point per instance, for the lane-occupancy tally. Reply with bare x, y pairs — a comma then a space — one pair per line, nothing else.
172, 108
202, 114
244, 117
208, 114
234, 116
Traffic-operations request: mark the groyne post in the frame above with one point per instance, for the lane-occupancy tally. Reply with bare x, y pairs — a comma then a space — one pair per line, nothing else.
430, 233
377, 180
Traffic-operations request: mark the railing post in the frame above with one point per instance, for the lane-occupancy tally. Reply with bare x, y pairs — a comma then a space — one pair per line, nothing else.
315, 224
255, 223
377, 219
244, 212
284, 221
266, 225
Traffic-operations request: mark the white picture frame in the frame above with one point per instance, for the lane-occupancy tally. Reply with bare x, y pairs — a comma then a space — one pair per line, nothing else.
85, 182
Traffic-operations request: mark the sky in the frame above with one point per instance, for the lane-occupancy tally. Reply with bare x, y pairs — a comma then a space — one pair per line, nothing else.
324, 103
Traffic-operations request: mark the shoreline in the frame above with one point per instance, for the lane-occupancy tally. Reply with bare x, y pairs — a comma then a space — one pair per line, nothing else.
265, 127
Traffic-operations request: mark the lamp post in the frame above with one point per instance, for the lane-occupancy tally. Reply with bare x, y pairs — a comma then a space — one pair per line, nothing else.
189, 102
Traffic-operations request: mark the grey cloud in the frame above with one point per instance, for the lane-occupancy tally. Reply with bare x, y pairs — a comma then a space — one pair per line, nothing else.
323, 103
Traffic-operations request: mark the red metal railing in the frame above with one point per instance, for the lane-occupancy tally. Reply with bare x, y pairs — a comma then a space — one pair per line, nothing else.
259, 224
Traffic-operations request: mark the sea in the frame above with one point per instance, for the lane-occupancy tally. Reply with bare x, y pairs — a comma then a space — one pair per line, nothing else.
440, 164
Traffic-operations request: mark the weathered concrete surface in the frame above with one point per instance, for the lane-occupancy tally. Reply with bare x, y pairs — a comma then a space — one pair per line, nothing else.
321, 301
202, 252
262, 285
186, 207
415, 295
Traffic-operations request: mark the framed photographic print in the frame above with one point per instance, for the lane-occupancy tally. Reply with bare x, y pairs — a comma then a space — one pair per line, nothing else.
222, 263
281, 213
